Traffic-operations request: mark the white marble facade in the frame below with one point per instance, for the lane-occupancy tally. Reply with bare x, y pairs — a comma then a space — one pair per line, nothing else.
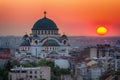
44, 40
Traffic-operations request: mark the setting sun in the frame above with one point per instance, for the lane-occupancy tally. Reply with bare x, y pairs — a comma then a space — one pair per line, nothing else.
102, 30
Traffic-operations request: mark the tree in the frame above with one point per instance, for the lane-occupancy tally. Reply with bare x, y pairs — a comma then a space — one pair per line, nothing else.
8, 65
42, 63
15, 63
3, 74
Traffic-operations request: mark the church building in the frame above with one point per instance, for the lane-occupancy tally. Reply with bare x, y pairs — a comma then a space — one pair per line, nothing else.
44, 40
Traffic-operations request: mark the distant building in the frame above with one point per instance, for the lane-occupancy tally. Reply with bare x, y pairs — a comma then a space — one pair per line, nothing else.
94, 72
62, 63
44, 40
117, 45
117, 60
5, 55
11, 42
88, 70
31, 73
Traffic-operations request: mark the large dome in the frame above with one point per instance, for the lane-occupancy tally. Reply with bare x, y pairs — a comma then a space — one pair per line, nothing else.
45, 24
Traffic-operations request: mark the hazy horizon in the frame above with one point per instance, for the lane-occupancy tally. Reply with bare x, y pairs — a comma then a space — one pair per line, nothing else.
73, 17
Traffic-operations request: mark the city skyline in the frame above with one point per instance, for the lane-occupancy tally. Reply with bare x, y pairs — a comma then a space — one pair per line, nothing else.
74, 18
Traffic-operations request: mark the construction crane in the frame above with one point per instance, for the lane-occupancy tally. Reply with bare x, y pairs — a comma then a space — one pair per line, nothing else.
47, 45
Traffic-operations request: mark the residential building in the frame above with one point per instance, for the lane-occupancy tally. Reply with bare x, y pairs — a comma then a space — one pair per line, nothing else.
30, 73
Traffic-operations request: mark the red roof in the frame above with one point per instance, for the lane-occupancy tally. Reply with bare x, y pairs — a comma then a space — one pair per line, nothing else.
5, 54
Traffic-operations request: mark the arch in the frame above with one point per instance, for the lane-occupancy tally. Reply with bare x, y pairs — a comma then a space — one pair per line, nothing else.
50, 40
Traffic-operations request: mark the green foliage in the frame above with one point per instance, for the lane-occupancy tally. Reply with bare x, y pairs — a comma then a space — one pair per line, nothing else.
65, 71
117, 72
30, 64
42, 63
3, 73
56, 72
15, 63
8, 65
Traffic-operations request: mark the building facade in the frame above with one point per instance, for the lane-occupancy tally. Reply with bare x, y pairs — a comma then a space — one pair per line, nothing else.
5, 55
21, 73
44, 40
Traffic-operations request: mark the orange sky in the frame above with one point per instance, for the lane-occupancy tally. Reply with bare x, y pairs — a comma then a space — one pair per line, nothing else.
73, 17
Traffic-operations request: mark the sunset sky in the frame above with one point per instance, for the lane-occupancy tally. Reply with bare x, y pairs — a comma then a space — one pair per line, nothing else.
73, 17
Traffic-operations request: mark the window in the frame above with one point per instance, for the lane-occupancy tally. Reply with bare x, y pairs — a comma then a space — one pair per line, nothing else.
49, 32
40, 72
41, 32
35, 76
30, 76
35, 72
30, 72
40, 76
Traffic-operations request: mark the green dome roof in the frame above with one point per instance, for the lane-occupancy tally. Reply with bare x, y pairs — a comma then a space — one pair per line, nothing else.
25, 36
53, 52
25, 43
50, 42
45, 24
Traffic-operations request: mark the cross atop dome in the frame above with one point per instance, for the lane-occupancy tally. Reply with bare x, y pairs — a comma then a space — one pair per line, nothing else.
45, 14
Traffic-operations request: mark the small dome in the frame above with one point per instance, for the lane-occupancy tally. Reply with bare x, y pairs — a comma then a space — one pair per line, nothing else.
54, 53
64, 36
50, 42
45, 24
25, 43
25, 36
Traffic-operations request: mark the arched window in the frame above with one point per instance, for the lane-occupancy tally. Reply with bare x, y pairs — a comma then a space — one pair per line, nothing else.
65, 42
42, 32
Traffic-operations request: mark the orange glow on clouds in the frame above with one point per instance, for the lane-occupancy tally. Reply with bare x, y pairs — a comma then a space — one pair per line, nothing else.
73, 17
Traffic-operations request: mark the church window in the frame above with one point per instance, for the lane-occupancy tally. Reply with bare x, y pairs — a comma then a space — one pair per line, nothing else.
65, 42
41, 32
56, 32
52, 32
48, 31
